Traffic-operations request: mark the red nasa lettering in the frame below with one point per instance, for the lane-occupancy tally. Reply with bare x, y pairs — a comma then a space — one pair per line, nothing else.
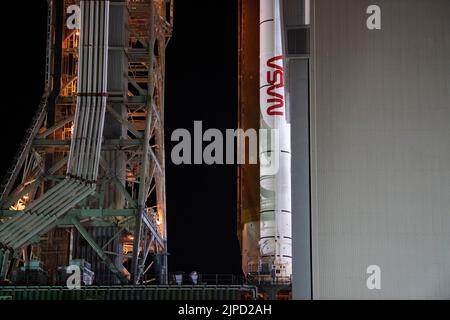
275, 79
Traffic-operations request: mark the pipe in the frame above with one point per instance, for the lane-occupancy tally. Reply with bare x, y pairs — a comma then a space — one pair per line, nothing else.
54, 218
16, 224
35, 218
63, 191
91, 21
85, 149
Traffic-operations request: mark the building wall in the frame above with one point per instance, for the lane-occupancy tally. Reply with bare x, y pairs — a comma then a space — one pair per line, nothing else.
380, 148
298, 88
296, 45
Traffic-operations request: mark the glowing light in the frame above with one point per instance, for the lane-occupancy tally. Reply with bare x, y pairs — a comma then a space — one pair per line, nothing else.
18, 206
21, 204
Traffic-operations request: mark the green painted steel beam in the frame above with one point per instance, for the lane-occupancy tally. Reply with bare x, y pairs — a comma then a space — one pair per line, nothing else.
83, 213
88, 213
124, 192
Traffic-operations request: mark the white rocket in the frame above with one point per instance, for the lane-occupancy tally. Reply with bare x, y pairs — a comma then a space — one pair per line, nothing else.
275, 241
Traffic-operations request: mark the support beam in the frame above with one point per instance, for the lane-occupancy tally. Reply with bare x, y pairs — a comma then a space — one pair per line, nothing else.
5, 256
146, 148
156, 113
153, 230
17, 194
135, 85
117, 183
83, 213
155, 159
57, 126
98, 250
127, 124
124, 191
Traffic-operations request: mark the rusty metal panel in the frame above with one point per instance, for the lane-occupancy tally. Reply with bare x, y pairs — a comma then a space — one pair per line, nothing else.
248, 118
249, 103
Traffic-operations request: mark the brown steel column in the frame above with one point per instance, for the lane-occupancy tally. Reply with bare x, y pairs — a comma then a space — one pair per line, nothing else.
248, 118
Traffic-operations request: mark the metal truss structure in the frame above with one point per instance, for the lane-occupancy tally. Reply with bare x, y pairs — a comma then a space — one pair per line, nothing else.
46, 197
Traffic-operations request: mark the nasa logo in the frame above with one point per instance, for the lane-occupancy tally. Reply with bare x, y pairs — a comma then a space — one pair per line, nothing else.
275, 79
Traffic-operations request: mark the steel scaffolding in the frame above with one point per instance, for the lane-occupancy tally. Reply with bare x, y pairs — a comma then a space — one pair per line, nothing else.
93, 156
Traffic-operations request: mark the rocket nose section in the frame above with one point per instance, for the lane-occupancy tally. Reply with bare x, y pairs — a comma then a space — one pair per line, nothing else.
267, 10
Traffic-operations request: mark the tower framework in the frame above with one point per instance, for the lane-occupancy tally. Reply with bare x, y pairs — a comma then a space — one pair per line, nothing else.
88, 181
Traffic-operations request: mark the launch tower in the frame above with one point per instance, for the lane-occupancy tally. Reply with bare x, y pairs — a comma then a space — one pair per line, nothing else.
87, 185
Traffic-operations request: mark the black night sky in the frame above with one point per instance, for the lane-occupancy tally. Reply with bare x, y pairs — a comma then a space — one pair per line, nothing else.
201, 85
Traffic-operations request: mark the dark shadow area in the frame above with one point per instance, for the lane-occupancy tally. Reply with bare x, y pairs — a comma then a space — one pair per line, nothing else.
202, 85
